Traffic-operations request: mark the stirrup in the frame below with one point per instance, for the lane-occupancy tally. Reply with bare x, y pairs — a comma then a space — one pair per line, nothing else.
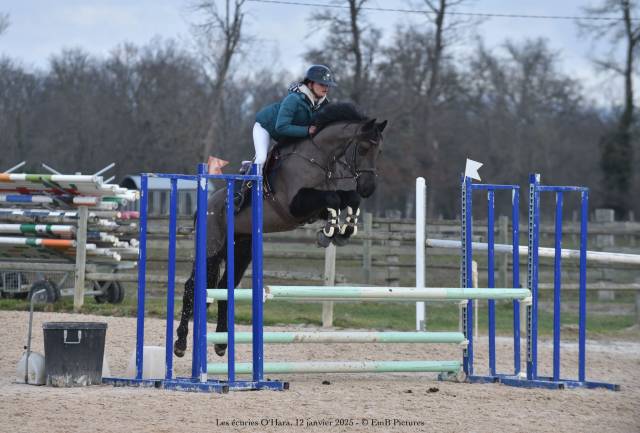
245, 167
240, 196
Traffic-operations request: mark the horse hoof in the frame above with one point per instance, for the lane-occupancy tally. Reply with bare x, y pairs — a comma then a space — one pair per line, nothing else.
323, 240
340, 240
349, 231
179, 349
220, 349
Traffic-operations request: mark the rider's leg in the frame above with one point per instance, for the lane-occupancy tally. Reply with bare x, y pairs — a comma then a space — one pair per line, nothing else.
261, 141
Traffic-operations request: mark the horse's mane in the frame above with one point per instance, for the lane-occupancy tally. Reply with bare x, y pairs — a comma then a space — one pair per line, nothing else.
337, 112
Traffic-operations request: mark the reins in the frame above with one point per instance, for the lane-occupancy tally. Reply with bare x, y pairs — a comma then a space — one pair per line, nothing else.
332, 159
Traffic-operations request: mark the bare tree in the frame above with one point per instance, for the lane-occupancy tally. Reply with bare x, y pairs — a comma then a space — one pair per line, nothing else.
617, 147
524, 102
444, 32
351, 46
221, 39
4, 22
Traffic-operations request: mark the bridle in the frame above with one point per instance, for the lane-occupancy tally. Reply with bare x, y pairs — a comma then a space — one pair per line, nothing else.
335, 159
353, 168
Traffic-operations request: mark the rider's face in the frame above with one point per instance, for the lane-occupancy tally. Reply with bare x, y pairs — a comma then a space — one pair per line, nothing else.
319, 90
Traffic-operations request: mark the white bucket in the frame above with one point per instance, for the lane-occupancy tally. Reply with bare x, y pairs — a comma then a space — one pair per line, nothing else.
36, 374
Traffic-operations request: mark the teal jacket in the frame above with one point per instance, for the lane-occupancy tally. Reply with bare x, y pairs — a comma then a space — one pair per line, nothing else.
289, 118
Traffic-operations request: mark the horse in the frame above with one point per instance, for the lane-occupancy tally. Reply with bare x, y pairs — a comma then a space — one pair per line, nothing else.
304, 185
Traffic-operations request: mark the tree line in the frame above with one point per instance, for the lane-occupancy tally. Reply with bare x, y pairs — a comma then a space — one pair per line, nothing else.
164, 107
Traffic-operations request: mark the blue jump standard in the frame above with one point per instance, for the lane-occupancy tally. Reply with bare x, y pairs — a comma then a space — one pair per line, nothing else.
532, 380
199, 380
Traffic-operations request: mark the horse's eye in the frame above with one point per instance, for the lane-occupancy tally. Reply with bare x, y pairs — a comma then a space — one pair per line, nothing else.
363, 150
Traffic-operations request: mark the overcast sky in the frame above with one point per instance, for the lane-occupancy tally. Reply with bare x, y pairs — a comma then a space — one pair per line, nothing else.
40, 28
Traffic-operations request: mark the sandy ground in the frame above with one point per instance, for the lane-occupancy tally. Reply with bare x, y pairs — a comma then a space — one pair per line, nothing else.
386, 402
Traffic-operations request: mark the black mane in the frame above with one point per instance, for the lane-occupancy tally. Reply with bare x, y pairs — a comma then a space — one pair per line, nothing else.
337, 112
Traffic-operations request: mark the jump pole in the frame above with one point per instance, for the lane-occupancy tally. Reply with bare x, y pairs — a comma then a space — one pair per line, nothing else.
344, 367
347, 337
421, 224
567, 254
373, 294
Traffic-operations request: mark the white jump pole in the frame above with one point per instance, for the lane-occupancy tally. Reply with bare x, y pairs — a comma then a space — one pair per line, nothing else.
421, 222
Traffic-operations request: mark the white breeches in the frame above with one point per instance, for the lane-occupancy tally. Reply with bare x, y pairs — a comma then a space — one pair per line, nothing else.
261, 142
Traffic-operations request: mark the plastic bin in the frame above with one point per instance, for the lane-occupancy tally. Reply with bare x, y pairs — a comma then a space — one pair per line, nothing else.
74, 352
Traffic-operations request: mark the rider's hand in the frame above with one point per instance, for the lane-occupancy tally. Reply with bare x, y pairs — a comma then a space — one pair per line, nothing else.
312, 130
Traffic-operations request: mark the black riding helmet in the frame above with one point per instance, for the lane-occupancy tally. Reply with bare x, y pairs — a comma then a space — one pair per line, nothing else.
320, 74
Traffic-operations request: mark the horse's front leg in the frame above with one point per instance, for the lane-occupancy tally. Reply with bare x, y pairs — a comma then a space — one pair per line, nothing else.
350, 201
325, 204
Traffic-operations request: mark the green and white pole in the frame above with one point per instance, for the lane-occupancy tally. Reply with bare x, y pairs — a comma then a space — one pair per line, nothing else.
342, 337
346, 293
343, 367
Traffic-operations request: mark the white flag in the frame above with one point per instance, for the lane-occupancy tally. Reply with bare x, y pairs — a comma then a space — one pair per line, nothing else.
471, 169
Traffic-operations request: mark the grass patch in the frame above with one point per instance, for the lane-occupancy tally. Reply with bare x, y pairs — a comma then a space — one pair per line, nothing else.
366, 315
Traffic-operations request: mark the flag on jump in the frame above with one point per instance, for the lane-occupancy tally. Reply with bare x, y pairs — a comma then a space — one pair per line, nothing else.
215, 165
471, 169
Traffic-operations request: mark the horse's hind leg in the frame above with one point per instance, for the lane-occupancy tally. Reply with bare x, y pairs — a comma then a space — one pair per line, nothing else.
180, 345
242, 258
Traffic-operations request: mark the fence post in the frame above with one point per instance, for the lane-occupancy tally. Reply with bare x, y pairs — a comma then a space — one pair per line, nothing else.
392, 260
81, 258
366, 246
638, 307
603, 241
393, 270
329, 280
632, 237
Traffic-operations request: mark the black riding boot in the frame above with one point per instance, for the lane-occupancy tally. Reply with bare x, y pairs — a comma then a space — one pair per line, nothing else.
240, 196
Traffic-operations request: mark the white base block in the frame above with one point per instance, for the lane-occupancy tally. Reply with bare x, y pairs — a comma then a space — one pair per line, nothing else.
153, 363
106, 371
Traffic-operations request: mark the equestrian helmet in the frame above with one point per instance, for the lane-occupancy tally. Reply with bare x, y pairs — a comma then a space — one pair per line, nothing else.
320, 74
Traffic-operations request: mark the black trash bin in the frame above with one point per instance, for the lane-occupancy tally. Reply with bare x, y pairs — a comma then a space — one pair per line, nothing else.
73, 352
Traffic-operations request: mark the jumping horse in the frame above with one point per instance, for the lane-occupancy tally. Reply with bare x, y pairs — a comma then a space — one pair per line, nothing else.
304, 181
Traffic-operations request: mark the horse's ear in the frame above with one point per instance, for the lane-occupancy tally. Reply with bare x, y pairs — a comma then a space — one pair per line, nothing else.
369, 125
381, 126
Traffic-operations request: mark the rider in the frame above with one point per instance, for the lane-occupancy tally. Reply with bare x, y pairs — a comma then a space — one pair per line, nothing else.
291, 117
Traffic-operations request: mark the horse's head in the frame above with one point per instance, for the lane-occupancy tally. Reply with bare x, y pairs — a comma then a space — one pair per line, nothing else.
362, 153
352, 142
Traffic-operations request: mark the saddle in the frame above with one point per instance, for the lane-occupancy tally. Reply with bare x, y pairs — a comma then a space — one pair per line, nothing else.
243, 195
